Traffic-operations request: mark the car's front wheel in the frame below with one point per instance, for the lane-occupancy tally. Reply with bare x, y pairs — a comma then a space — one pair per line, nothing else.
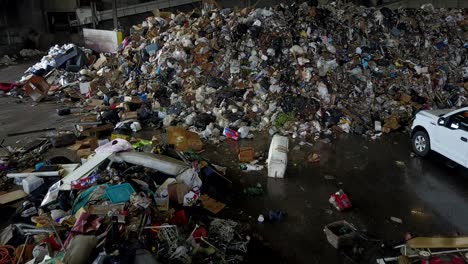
421, 143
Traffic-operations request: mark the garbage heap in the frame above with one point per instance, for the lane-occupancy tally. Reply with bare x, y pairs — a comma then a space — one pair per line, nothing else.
124, 204
298, 69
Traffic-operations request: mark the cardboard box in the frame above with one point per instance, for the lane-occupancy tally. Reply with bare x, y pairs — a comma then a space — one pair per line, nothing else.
246, 154
92, 131
129, 115
36, 87
177, 191
337, 240
183, 139
121, 136
94, 103
211, 204
162, 204
99, 62
83, 152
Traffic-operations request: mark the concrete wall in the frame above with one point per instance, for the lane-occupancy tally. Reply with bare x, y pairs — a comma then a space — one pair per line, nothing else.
19, 19
60, 5
107, 4
30, 15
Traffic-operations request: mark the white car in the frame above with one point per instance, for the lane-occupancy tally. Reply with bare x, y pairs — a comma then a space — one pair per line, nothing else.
444, 131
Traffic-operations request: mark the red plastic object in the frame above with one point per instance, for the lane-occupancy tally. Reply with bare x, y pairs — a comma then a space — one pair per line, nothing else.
341, 201
457, 260
199, 233
84, 183
53, 243
437, 260
229, 133
6, 87
179, 218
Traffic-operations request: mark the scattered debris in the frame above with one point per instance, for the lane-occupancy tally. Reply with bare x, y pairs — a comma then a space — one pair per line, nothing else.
251, 167
400, 163
12, 196
276, 216
340, 201
216, 75
260, 218
254, 191
246, 154
396, 220
340, 233
314, 157
211, 204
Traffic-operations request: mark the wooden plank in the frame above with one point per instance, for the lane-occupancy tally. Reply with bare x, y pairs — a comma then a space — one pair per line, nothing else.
100, 209
211, 204
30, 132
12, 196
438, 242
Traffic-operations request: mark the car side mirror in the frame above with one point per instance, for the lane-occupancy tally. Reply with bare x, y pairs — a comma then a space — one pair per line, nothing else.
454, 126
441, 121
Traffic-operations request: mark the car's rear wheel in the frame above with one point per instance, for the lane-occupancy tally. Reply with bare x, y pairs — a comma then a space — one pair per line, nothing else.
421, 143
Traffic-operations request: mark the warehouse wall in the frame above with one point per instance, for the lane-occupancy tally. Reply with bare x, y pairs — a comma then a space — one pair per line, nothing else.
19, 20
60, 5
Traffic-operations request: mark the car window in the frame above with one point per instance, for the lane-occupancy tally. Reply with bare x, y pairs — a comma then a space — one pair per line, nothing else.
459, 120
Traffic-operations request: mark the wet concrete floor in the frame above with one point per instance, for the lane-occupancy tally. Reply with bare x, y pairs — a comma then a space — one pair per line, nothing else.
427, 195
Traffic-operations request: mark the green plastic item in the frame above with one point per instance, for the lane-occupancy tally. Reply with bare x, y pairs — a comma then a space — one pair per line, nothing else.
141, 143
254, 191
85, 196
119, 193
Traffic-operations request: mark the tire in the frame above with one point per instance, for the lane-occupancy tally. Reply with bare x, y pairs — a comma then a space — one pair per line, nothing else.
421, 143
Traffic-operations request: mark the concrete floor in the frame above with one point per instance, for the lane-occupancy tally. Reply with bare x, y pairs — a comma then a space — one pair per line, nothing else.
428, 196
19, 115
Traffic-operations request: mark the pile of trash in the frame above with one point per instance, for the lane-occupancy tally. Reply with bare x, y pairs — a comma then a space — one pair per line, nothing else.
24, 53
296, 69
124, 204
30, 52
7, 60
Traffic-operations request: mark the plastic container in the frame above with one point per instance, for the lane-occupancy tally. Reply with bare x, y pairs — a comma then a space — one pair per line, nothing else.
229, 133
340, 201
31, 183
278, 156
340, 233
119, 193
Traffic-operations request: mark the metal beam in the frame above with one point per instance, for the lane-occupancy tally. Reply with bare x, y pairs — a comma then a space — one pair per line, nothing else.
143, 8
114, 14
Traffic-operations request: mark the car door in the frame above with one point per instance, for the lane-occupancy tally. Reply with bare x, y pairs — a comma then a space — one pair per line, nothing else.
453, 137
